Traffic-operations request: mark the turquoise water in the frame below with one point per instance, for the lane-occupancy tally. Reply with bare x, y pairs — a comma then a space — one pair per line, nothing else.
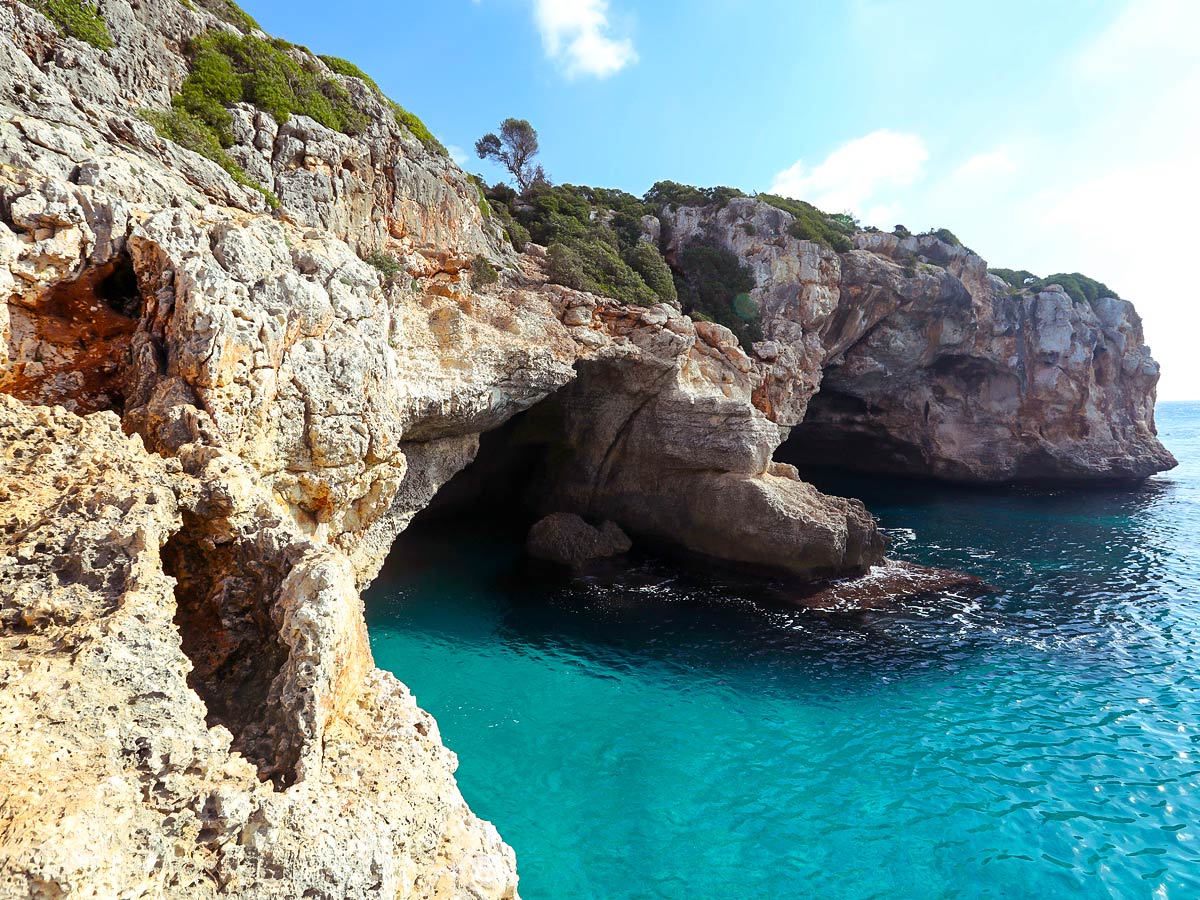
660, 734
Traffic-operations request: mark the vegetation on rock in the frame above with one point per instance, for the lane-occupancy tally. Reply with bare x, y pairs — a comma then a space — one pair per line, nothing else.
514, 148
811, 224
76, 18
272, 75
1079, 287
389, 267
715, 286
187, 131
230, 12
595, 240
671, 193
945, 235
483, 272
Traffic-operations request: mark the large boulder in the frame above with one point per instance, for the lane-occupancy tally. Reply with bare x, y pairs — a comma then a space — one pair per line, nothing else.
568, 540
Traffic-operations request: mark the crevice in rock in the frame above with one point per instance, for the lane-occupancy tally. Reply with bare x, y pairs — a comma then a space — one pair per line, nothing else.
225, 595
71, 348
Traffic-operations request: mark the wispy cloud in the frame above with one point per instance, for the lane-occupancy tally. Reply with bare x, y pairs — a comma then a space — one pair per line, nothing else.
576, 34
1154, 32
986, 165
458, 154
857, 176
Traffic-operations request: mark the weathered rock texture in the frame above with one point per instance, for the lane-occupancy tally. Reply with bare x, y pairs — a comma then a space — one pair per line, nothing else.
568, 540
904, 355
136, 587
219, 418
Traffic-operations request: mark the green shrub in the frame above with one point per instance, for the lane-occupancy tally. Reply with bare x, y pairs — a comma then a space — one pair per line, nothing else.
811, 224
945, 235
226, 68
230, 12
483, 273
350, 70
403, 117
671, 193
389, 267
599, 248
1079, 287
593, 264
417, 128
901, 232
645, 259
566, 267
1013, 277
78, 19
178, 126
715, 285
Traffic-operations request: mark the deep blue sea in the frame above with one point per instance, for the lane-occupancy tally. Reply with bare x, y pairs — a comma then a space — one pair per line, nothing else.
675, 733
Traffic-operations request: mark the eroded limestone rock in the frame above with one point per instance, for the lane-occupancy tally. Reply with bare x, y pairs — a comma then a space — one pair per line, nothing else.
304, 771
568, 540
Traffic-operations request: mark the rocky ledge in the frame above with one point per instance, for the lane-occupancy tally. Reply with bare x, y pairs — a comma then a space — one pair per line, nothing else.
216, 415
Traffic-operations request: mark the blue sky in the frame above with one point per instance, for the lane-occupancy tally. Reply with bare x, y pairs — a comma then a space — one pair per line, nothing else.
1058, 135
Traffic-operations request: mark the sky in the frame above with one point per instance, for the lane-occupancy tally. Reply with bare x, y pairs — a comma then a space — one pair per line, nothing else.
1049, 135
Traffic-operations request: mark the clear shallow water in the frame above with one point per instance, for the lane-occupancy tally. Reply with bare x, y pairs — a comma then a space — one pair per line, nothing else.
673, 735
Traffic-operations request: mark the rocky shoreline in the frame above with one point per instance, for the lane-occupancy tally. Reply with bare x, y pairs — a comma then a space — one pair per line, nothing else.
216, 417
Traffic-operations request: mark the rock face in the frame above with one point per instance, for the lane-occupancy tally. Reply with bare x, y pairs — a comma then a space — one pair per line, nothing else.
904, 355
658, 393
568, 540
188, 702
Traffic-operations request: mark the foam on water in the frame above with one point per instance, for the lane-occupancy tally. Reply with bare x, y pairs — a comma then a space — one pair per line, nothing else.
680, 734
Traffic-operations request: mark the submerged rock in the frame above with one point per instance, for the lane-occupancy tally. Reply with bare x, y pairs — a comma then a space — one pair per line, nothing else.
568, 540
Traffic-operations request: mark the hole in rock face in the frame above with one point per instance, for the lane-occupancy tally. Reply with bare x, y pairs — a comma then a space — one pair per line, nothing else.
503, 484
224, 595
839, 432
119, 289
72, 347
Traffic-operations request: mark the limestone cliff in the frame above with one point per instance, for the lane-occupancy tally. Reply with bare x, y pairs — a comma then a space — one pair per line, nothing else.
219, 417
904, 355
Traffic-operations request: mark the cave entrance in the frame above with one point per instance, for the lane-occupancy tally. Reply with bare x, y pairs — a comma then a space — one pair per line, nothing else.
503, 487
225, 593
840, 433
72, 347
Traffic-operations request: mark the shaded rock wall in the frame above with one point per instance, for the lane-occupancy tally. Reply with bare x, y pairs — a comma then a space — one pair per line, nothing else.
905, 356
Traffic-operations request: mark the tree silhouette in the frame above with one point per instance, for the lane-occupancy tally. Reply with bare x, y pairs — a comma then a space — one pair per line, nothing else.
514, 148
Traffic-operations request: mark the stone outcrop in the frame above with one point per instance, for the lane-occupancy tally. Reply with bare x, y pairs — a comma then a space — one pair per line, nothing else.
904, 355
661, 433
568, 540
187, 701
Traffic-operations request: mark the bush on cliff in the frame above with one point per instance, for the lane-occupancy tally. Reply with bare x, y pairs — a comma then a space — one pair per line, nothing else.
945, 235
190, 133
1079, 287
714, 285
594, 238
76, 18
228, 11
671, 193
483, 273
811, 224
270, 74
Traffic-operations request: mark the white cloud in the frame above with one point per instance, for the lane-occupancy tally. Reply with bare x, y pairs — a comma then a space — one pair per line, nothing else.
854, 176
986, 165
458, 154
1155, 31
575, 34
